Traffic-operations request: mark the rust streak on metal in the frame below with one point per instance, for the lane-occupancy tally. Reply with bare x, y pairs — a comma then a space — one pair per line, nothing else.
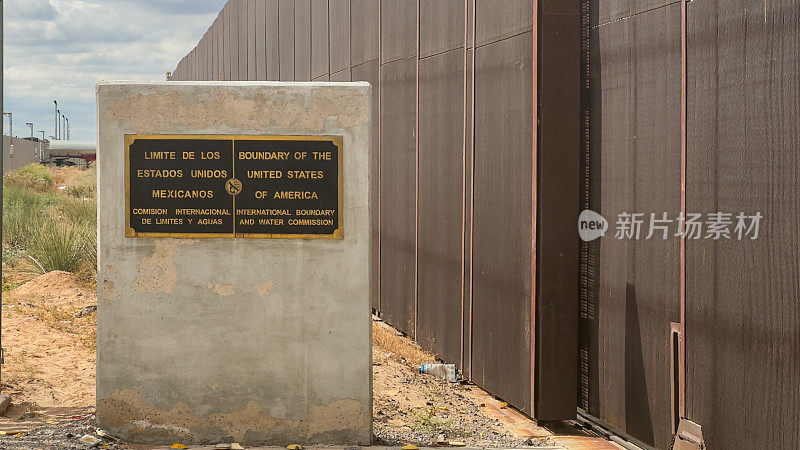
472, 185
682, 339
534, 101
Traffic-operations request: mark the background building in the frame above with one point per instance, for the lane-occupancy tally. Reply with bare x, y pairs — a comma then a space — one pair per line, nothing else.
20, 152
499, 120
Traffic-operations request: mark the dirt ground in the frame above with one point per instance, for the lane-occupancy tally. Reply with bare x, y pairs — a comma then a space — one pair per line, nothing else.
411, 407
49, 333
49, 329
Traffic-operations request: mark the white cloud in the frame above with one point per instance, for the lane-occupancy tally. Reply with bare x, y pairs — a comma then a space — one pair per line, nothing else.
31, 9
59, 49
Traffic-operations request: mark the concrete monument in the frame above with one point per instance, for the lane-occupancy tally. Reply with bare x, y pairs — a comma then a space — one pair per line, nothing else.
233, 262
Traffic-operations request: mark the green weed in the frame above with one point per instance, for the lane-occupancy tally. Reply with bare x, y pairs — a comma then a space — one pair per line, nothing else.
49, 230
427, 420
8, 285
60, 246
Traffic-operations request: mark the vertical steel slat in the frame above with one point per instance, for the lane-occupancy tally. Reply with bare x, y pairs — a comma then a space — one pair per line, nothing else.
684, 127
380, 122
350, 38
278, 36
463, 181
328, 11
588, 262
416, 183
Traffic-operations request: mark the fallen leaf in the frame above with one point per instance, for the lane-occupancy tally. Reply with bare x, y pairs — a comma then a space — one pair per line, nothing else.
88, 439
457, 444
104, 433
178, 446
295, 447
410, 447
503, 405
443, 408
19, 435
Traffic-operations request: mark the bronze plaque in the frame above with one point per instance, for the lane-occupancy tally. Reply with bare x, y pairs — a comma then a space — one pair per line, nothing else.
202, 186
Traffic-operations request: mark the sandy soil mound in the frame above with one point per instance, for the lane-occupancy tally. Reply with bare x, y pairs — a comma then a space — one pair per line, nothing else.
49, 332
58, 288
410, 407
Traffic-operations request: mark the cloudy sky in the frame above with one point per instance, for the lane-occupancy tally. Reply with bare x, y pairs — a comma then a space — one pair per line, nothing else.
58, 50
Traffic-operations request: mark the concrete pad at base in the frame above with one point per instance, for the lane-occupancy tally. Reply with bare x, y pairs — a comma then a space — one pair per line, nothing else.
256, 341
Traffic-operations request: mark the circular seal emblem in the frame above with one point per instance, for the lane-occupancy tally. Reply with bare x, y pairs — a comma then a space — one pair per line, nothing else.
233, 186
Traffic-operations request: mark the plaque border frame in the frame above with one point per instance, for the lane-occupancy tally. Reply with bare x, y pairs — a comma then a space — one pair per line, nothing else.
338, 233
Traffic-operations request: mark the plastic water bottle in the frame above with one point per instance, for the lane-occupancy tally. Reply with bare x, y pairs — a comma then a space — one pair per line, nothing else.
444, 371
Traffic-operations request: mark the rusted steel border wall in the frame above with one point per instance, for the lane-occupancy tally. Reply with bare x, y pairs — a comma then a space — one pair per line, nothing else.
743, 297
704, 96
476, 162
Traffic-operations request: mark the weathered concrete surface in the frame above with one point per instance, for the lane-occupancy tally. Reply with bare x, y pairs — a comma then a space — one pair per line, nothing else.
257, 341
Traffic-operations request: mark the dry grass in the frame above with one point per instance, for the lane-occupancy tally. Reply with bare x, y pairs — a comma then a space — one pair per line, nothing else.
33, 177
386, 341
49, 222
28, 369
76, 182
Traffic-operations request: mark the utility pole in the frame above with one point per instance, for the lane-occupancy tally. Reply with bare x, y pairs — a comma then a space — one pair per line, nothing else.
2, 153
63, 127
41, 145
35, 152
67, 119
55, 126
58, 124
